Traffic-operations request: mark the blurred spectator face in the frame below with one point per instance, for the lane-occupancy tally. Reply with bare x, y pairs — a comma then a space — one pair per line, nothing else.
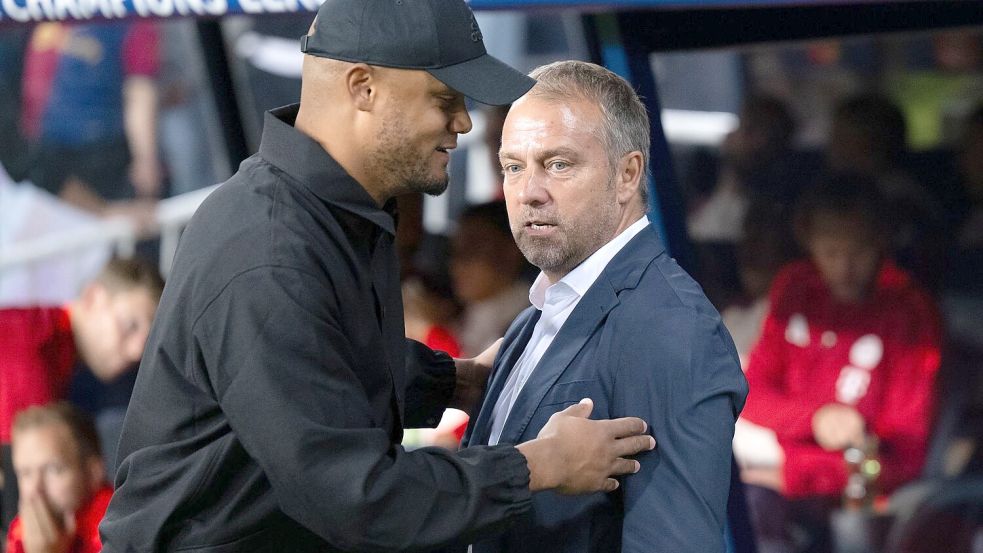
867, 133
846, 254
47, 461
957, 51
483, 260
765, 131
559, 184
766, 246
851, 148
111, 328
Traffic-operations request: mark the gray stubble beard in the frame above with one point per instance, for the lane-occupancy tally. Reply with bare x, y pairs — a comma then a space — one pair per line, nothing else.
562, 257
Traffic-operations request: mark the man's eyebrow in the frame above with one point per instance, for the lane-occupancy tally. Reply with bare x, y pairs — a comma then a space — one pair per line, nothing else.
561, 151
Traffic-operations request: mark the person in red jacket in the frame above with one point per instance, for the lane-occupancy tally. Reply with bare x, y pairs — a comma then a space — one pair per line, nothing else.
849, 350
63, 493
106, 328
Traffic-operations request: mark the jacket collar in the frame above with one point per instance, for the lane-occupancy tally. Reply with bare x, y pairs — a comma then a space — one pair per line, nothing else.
626, 269
623, 272
306, 161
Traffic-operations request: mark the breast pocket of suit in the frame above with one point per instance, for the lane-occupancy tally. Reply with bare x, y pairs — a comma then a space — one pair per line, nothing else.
565, 394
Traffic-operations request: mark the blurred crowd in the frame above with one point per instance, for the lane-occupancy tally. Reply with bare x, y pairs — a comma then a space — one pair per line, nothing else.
830, 268
108, 118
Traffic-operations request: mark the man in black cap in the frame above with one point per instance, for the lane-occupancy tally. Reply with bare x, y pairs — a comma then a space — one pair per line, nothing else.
269, 406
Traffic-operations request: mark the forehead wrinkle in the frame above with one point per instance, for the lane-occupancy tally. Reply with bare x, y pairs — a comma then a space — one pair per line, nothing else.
543, 151
537, 125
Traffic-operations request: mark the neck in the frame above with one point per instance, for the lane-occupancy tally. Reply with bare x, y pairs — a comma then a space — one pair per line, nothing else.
630, 217
340, 141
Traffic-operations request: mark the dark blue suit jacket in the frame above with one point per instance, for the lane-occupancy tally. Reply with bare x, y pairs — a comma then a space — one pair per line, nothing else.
644, 342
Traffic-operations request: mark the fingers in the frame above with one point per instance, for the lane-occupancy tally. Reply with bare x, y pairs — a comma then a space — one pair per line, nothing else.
69, 524
633, 445
610, 485
28, 520
625, 466
44, 517
622, 428
581, 410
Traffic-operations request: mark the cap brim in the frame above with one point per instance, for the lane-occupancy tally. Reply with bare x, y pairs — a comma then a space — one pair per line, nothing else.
485, 79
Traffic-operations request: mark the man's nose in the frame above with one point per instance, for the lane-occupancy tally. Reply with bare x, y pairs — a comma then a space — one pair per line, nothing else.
532, 190
461, 122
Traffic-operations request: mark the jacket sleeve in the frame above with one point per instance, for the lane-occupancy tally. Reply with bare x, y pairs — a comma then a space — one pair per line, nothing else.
768, 403
904, 413
907, 406
284, 375
431, 377
687, 383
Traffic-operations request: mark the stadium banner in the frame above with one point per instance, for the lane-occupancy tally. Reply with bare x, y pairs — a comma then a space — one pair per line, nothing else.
27, 11
33, 11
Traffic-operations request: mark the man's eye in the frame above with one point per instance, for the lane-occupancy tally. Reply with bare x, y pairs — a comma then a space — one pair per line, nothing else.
559, 165
510, 168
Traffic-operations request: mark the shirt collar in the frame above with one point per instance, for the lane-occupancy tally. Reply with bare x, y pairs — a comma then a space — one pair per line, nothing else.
582, 277
301, 157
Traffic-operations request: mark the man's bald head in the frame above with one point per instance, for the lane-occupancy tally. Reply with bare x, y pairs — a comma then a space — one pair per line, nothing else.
320, 76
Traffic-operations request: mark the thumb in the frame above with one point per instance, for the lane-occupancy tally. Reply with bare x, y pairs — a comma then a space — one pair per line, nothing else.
581, 410
70, 524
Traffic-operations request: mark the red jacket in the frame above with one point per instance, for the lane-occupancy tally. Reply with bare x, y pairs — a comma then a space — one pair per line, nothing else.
87, 521
879, 356
37, 355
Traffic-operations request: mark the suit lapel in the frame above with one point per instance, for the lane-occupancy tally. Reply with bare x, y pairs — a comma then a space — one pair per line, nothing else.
624, 271
583, 322
513, 346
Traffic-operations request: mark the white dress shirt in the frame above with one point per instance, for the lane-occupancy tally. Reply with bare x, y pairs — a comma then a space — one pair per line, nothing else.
557, 302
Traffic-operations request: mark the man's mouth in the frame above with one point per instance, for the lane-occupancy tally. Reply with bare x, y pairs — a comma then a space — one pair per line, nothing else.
540, 225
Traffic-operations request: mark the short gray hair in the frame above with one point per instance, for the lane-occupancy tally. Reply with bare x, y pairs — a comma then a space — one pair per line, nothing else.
625, 120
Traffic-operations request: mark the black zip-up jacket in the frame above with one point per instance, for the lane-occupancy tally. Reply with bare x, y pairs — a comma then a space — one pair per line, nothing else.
276, 382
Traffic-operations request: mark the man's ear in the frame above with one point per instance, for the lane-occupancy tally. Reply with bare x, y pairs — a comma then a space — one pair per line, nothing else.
630, 170
361, 82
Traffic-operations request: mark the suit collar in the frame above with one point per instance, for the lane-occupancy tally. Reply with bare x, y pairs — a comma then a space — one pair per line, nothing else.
582, 323
583, 276
307, 162
627, 268
623, 272
515, 342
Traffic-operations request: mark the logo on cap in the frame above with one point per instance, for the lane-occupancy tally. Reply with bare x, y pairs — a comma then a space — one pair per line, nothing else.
475, 31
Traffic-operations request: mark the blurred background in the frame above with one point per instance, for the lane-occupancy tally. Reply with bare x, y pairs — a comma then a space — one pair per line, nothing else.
112, 132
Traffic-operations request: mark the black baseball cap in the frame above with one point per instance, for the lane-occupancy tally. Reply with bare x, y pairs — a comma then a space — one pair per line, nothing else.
439, 36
